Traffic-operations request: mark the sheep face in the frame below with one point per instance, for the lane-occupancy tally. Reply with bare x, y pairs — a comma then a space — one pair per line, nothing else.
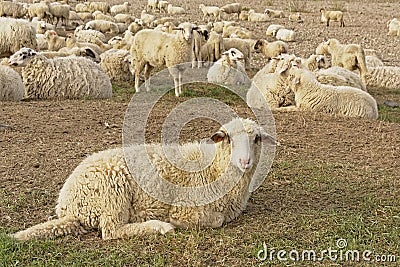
244, 137
21, 57
234, 54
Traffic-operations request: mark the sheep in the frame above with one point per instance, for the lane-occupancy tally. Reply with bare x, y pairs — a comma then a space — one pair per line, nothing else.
120, 9
54, 41
338, 100
171, 50
327, 16
122, 43
272, 49
175, 10
244, 16
74, 19
81, 8
340, 77
163, 20
134, 27
162, 6
242, 45
284, 35
59, 13
40, 10
11, 86
272, 28
373, 61
219, 26
103, 26
70, 77
242, 33
99, 6
210, 11
98, 15
71, 41
91, 36
257, 17
229, 29
152, 5
383, 77
274, 13
228, 70
349, 56
124, 18
41, 42
296, 17
211, 51
101, 193
15, 34
232, 8
116, 64
146, 18
11, 9
393, 26
85, 16
42, 27
314, 62
77, 51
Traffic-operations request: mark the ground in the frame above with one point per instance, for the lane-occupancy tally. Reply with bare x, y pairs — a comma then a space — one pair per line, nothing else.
332, 178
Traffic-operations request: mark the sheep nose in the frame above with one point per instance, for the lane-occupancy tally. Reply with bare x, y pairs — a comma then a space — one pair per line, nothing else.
245, 163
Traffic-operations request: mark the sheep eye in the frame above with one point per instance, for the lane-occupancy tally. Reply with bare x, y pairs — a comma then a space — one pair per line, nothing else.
257, 139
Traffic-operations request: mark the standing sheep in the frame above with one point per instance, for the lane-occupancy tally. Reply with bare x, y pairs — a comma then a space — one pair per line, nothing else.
117, 64
59, 13
162, 6
101, 193
214, 47
15, 34
233, 8
152, 5
210, 11
120, 9
153, 48
11, 86
242, 45
40, 10
327, 16
11, 9
60, 78
104, 7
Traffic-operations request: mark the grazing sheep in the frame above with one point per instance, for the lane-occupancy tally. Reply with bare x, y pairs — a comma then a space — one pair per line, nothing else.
339, 100
349, 56
327, 16
104, 7
116, 63
272, 49
296, 17
162, 6
15, 34
11, 9
103, 26
393, 27
40, 10
274, 13
54, 41
273, 28
98, 15
384, 77
233, 8
11, 86
229, 69
91, 36
101, 193
284, 35
242, 45
171, 50
120, 9
175, 10
124, 18
373, 61
257, 17
210, 11
340, 77
60, 78
214, 47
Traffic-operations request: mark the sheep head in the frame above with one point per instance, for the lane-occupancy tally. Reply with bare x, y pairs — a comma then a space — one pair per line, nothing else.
21, 57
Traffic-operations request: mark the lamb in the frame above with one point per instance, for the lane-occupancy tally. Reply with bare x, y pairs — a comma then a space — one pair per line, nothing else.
11, 86
103, 26
120, 9
14, 34
98, 15
272, 28
91, 36
242, 45
210, 11
211, 51
116, 64
162, 6
257, 17
70, 77
228, 70
124, 18
175, 10
349, 56
384, 77
104, 7
393, 27
274, 13
272, 49
54, 41
113, 203
11, 9
232, 8
338, 100
327, 16
284, 35
172, 49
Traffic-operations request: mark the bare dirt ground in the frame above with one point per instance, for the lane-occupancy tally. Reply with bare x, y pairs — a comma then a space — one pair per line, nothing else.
325, 165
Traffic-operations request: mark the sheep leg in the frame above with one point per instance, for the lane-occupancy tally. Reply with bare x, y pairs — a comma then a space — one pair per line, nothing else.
209, 219
138, 69
147, 70
287, 109
57, 227
132, 229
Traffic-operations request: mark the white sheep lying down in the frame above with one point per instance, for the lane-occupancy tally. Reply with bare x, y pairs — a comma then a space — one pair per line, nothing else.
11, 86
102, 194
384, 77
60, 78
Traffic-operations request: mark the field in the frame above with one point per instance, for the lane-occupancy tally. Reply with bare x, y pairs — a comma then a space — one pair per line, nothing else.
333, 178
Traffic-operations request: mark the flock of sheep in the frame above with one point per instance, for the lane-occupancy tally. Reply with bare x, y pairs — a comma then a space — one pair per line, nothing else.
38, 63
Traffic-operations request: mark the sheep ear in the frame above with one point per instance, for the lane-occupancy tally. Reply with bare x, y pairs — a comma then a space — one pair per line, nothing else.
267, 138
283, 69
90, 53
296, 80
257, 45
218, 136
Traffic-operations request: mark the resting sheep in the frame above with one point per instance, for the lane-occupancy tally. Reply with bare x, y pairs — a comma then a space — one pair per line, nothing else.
98, 15
393, 27
373, 61
104, 7
274, 13
257, 17
284, 35
327, 16
229, 69
387, 77
103, 26
270, 49
60, 78
175, 10
91, 36
153, 49
54, 41
210, 11
296, 17
340, 77
117, 64
272, 28
101, 193
11, 86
